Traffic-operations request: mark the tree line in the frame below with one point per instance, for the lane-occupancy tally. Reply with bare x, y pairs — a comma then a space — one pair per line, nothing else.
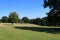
52, 19
13, 17
45, 21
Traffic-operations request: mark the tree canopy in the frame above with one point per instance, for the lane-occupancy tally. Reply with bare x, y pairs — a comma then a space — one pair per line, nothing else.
25, 20
4, 19
54, 4
53, 16
13, 17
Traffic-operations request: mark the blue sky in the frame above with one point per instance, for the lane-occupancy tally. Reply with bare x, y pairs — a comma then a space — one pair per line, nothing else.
25, 8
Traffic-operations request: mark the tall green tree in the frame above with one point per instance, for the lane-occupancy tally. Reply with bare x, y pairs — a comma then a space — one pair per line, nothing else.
37, 21
44, 21
54, 14
54, 4
4, 19
25, 20
0, 21
13, 17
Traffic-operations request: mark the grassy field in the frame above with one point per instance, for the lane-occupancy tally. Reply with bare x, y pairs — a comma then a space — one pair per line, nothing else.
28, 32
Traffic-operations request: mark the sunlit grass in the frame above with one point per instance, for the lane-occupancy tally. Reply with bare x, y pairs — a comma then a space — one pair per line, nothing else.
9, 32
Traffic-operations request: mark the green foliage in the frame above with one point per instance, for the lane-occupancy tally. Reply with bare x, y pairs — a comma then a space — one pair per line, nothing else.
44, 21
0, 21
25, 20
4, 19
37, 21
55, 4
13, 17
53, 17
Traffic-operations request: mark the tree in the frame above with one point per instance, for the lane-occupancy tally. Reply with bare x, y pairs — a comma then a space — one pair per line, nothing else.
44, 21
0, 21
53, 4
53, 15
4, 19
25, 20
13, 17
37, 21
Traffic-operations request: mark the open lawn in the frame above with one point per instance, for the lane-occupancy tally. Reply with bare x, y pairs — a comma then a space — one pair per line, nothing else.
28, 32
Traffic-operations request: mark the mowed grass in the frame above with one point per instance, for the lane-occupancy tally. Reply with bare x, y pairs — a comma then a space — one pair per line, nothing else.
26, 32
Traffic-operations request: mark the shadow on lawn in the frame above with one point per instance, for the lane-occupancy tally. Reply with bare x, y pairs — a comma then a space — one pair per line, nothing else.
40, 29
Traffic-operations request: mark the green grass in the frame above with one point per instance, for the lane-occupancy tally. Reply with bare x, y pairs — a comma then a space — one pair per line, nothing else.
27, 33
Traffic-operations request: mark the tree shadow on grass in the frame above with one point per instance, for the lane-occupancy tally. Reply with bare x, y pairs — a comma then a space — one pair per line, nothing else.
40, 29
